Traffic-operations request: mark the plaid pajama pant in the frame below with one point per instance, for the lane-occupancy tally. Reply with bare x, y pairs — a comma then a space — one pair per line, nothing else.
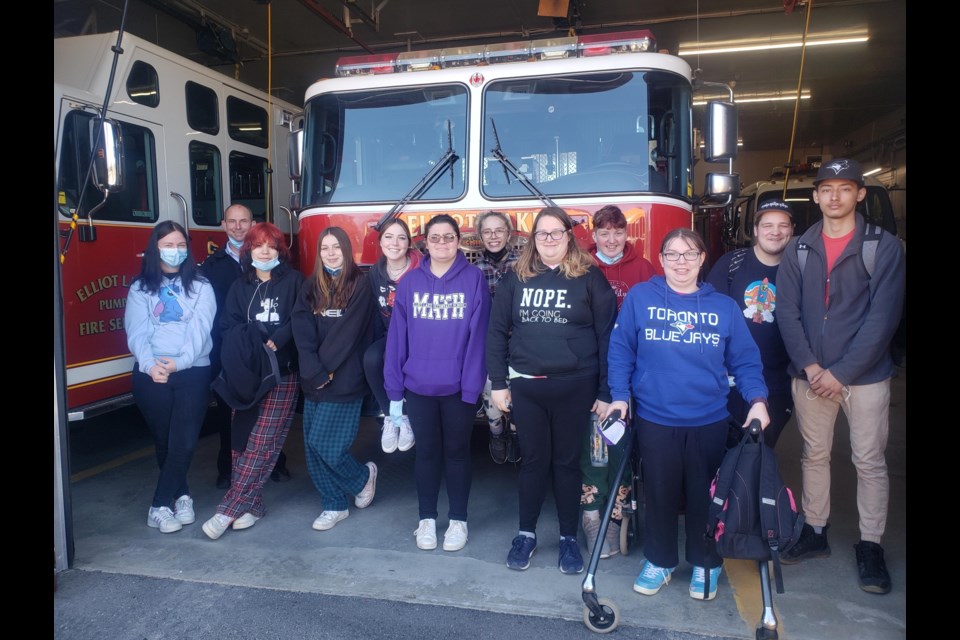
253, 465
329, 429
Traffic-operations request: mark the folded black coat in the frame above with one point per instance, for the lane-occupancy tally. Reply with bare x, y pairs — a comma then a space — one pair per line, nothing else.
250, 370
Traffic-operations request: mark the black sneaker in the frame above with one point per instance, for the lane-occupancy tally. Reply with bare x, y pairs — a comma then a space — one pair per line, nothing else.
513, 448
498, 447
520, 552
810, 545
570, 559
873, 570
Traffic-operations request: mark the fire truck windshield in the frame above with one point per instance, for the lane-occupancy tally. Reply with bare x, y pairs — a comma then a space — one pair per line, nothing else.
374, 146
615, 132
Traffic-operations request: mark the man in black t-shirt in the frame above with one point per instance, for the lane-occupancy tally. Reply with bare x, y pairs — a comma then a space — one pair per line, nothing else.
749, 277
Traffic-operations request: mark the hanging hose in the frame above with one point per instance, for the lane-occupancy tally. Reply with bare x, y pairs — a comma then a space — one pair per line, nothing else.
796, 104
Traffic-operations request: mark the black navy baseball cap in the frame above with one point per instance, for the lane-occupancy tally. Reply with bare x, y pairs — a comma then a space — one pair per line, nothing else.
840, 169
772, 205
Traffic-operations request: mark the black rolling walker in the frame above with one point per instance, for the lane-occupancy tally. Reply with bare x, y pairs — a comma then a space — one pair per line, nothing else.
599, 614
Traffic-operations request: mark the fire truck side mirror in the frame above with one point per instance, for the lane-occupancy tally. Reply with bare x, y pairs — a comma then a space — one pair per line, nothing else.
720, 144
108, 158
295, 154
721, 189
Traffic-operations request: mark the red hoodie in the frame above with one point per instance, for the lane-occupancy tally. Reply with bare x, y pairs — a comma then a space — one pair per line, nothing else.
631, 269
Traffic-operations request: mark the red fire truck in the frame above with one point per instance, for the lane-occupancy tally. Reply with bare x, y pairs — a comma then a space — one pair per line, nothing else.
194, 141
580, 122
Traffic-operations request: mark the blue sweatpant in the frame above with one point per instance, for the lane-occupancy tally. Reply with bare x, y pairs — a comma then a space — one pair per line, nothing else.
329, 429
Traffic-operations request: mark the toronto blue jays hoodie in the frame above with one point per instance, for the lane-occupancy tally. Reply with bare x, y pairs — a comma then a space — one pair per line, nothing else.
672, 352
437, 336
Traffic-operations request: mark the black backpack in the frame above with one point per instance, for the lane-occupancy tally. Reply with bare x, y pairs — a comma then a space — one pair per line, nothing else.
752, 514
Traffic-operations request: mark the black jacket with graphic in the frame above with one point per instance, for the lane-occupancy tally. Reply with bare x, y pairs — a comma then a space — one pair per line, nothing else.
269, 304
552, 326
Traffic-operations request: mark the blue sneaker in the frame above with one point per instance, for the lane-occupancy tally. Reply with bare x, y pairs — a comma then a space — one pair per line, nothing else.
652, 578
697, 579
570, 559
521, 552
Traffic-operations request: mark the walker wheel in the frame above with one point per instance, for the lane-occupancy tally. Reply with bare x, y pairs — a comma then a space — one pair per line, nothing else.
605, 623
625, 527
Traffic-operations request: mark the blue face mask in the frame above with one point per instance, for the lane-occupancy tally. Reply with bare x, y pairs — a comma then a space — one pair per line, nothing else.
173, 256
333, 272
265, 266
606, 260
236, 244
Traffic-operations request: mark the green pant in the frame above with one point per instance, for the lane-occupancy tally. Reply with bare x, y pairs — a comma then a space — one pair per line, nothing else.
598, 480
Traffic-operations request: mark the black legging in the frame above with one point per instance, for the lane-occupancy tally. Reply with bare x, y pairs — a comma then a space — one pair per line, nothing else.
552, 417
442, 426
373, 369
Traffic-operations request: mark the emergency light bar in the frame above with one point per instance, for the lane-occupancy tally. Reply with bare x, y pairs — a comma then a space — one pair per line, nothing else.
543, 49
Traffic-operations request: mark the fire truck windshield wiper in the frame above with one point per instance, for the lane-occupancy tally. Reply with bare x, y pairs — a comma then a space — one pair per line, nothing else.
446, 161
509, 167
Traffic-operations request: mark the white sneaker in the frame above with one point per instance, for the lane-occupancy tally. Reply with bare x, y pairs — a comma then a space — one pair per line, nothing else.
388, 438
328, 519
427, 534
215, 526
456, 536
405, 441
162, 518
365, 497
183, 510
245, 521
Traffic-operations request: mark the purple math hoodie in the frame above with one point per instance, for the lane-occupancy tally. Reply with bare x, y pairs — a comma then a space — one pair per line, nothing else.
437, 336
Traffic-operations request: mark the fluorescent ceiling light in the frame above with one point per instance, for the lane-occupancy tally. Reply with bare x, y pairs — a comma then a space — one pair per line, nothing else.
773, 42
873, 172
760, 96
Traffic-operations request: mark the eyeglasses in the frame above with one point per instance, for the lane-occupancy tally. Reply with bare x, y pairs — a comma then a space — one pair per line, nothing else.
619, 234
673, 256
556, 234
445, 238
489, 233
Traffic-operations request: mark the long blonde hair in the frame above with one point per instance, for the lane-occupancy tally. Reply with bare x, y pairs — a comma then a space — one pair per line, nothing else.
575, 263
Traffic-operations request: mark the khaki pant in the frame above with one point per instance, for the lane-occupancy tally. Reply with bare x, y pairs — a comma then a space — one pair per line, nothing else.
867, 408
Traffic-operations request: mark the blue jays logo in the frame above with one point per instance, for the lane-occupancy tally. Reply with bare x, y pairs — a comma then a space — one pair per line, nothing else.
838, 166
681, 326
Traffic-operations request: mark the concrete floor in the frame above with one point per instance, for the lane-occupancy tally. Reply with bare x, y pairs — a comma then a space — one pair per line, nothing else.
373, 554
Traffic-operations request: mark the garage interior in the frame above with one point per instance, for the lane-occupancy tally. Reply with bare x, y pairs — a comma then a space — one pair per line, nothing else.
856, 108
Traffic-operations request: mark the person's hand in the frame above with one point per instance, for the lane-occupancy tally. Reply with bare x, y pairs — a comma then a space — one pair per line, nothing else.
158, 374
168, 364
616, 405
599, 408
826, 385
759, 412
270, 343
396, 410
813, 371
502, 399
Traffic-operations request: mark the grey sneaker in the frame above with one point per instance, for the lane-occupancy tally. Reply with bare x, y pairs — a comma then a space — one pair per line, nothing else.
217, 525
591, 528
184, 510
365, 497
162, 518
329, 519
611, 542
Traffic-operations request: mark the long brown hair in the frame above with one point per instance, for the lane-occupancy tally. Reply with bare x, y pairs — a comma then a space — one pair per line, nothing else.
575, 263
329, 291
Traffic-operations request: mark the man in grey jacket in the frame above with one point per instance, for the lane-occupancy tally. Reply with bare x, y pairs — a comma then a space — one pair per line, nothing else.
840, 296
